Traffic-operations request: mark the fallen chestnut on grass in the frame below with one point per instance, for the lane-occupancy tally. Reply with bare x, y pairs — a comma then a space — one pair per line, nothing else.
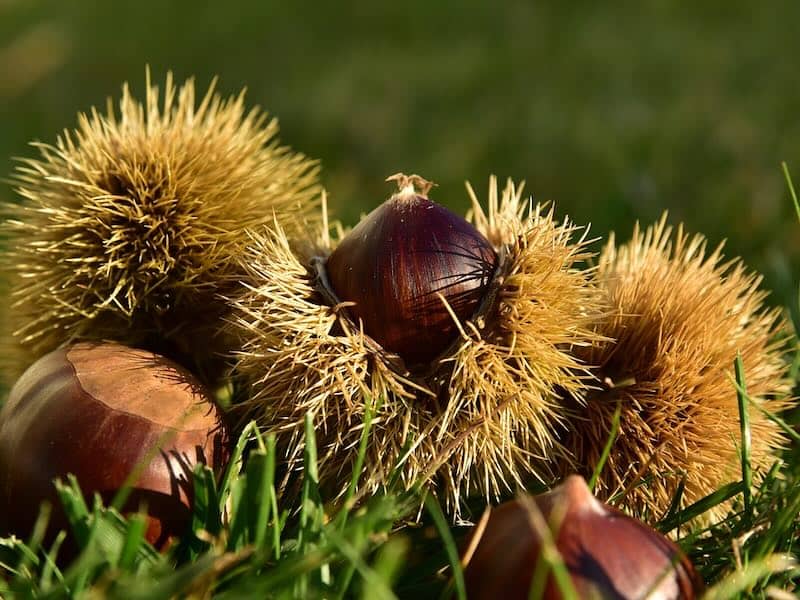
101, 412
606, 553
399, 262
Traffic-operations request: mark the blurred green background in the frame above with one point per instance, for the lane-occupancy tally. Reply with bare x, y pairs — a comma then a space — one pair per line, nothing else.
615, 112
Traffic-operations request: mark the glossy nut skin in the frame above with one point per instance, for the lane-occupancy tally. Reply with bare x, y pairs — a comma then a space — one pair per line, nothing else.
394, 264
607, 554
99, 411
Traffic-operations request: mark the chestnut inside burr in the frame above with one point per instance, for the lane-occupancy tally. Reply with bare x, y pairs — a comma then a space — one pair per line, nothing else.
404, 268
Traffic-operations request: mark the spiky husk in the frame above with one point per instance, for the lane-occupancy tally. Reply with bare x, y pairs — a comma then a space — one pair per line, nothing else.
681, 316
129, 225
486, 419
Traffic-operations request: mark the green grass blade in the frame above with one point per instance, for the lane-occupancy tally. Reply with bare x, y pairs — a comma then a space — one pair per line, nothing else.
358, 467
794, 370
723, 494
432, 506
249, 433
550, 559
612, 436
272, 454
258, 484
311, 511
405, 451
792, 191
34, 541
292, 570
675, 504
787, 176
252, 501
134, 538
237, 529
744, 420
12, 552
205, 512
75, 508
785, 427
49, 569
173, 584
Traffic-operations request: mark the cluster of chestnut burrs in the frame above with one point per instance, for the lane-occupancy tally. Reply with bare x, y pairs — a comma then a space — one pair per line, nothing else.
174, 248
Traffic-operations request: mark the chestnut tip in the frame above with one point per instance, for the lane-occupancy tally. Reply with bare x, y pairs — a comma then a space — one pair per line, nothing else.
412, 185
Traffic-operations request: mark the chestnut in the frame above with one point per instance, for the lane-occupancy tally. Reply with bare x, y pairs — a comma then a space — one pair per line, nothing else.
102, 411
607, 554
400, 261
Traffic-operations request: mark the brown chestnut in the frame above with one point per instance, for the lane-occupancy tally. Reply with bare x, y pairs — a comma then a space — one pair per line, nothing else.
606, 553
99, 411
394, 265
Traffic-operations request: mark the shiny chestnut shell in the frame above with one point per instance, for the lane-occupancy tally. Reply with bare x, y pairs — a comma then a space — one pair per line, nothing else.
394, 264
98, 411
608, 554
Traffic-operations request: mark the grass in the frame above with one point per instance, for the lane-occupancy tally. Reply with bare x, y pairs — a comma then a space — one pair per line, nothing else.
325, 551
258, 552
